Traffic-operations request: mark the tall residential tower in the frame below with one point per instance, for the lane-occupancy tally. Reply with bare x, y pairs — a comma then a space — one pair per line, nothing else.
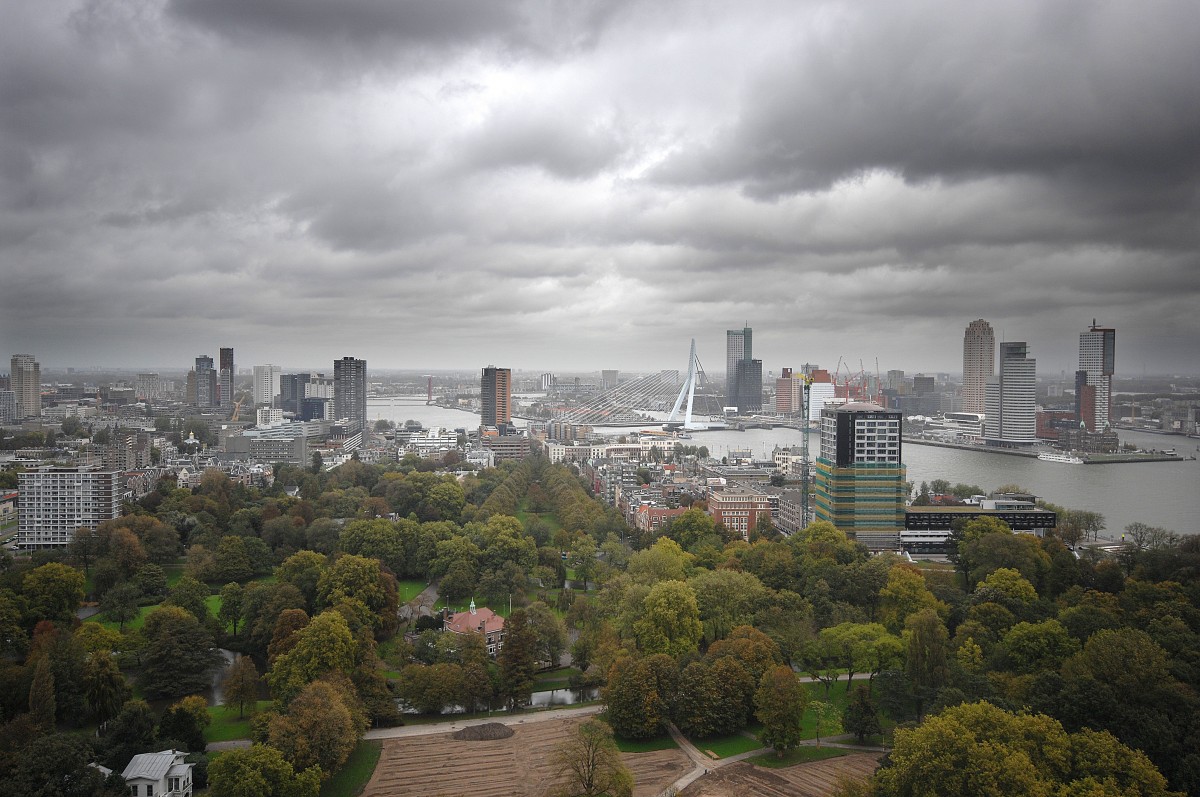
495, 396
350, 392
1097, 361
25, 380
979, 364
225, 377
739, 346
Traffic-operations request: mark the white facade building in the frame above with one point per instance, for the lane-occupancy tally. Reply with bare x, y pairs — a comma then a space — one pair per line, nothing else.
55, 501
266, 384
1011, 406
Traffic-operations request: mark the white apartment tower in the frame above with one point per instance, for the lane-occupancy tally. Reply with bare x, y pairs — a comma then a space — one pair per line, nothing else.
979, 364
25, 379
55, 501
1011, 399
1097, 358
266, 384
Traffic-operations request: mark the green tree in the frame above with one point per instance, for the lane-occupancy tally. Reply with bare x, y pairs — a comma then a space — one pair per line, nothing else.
104, 687
904, 593
54, 765
639, 694
430, 688
550, 631
120, 604
926, 663
184, 722
132, 731
42, 704
191, 596
230, 613
583, 559
517, 660
826, 719
178, 656
779, 705
590, 764
861, 717
323, 646
670, 621
241, 684
232, 560
303, 570
53, 592
981, 749
260, 771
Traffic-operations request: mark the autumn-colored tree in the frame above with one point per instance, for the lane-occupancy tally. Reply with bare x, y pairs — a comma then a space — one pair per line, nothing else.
639, 694
590, 763
261, 771
322, 725
323, 646
241, 684
53, 592
779, 705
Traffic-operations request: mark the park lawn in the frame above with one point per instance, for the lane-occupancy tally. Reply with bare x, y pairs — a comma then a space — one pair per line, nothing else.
226, 726
725, 746
130, 625
837, 696
555, 679
797, 755
174, 573
662, 742
356, 772
409, 588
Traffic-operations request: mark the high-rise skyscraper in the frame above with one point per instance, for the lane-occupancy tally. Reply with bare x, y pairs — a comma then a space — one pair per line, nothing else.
1097, 359
1011, 399
495, 396
749, 386
859, 481
25, 379
207, 389
739, 346
789, 394
350, 391
979, 364
226, 377
266, 384
56, 500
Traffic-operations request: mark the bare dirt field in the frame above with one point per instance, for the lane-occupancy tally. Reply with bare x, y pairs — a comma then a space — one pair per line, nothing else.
440, 766
803, 780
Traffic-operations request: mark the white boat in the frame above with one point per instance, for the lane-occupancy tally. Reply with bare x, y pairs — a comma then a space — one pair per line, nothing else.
1054, 456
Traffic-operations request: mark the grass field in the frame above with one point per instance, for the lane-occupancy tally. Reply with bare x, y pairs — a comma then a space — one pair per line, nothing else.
797, 755
354, 774
555, 679
130, 625
409, 588
225, 723
725, 746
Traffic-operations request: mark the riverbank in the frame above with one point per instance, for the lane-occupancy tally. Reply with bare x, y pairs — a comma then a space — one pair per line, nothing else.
1092, 459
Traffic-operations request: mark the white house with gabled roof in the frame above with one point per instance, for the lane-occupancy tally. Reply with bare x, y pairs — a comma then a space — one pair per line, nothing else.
162, 774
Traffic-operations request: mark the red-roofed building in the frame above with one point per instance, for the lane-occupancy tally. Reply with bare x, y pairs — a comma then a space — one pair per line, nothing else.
478, 621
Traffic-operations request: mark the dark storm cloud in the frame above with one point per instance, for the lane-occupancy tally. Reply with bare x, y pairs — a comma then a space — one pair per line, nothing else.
586, 184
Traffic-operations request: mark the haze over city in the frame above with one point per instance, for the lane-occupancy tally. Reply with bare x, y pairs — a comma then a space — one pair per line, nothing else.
586, 186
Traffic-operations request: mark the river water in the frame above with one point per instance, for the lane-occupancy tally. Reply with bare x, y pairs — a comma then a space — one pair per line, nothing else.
1163, 494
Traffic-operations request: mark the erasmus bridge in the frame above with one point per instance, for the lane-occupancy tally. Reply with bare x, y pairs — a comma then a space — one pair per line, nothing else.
629, 402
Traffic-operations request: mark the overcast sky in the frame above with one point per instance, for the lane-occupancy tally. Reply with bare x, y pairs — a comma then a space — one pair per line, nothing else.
578, 185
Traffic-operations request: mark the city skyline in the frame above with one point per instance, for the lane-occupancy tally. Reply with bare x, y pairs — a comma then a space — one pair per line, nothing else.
588, 186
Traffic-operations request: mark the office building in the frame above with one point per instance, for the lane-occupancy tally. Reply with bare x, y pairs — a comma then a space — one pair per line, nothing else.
294, 388
25, 381
1011, 399
207, 387
225, 377
789, 394
859, 480
547, 382
266, 384
1097, 361
608, 379
8, 407
749, 386
148, 388
739, 345
350, 392
55, 501
495, 396
979, 364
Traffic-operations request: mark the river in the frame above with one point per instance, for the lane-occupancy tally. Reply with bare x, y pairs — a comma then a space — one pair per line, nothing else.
1163, 494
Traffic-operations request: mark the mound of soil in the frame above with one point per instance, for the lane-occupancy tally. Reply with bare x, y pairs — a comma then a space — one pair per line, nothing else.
483, 733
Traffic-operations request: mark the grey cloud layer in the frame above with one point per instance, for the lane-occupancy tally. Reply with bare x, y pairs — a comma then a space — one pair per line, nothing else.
590, 184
